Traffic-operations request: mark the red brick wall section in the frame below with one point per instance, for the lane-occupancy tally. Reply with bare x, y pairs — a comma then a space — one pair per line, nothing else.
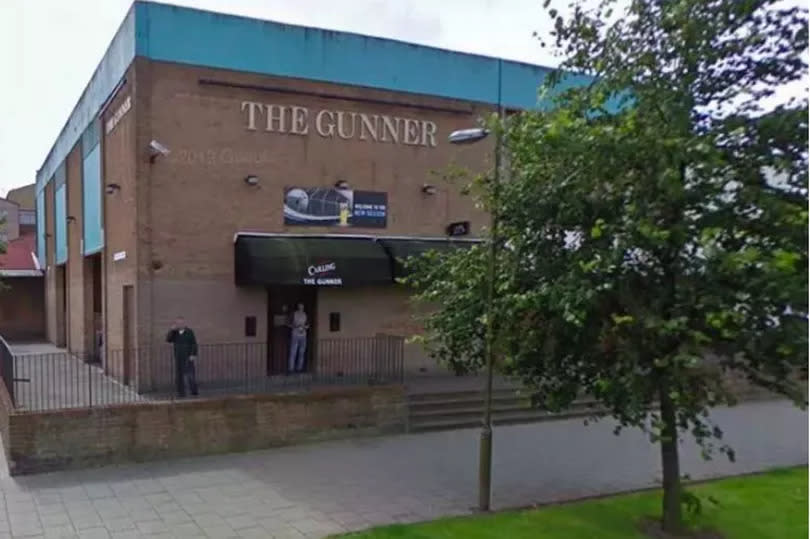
44, 441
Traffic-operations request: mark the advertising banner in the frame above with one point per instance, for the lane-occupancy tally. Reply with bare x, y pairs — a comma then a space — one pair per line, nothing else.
331, 206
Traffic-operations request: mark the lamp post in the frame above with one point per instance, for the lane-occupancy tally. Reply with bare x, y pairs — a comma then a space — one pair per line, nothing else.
470, 136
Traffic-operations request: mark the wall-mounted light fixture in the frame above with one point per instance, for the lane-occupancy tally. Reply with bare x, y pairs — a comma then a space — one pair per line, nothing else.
112, 188
71, 219
156, 149
251, 179
342, 184
429, 189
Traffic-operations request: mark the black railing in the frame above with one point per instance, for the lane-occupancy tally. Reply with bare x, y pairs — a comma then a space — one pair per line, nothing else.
68, 380
7, 368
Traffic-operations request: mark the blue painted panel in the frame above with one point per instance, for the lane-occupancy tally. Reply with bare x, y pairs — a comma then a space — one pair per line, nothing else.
177, 34
60, 223
41, 229
106, 77
93, 232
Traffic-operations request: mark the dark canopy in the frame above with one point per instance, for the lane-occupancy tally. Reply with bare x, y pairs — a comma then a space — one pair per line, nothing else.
402, 248
318, 261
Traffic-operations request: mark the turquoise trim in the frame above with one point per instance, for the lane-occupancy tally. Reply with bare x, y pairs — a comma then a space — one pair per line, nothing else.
60, 223
189, 36
92, 232
194, 37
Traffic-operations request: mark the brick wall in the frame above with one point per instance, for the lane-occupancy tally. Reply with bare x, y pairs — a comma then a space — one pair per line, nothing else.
22, 304
79, 282
185, 258
46, 441
120, 159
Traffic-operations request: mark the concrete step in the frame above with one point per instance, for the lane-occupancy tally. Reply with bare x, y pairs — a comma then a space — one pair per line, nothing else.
439, 396
513, 417
465, 412
468, 402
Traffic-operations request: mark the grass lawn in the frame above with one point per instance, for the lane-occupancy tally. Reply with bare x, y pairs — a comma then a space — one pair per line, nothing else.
771, 505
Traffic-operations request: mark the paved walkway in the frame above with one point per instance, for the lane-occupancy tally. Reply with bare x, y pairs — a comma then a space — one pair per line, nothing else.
311, 491
49, 378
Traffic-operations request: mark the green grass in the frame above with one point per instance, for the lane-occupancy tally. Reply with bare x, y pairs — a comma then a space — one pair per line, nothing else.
770, 505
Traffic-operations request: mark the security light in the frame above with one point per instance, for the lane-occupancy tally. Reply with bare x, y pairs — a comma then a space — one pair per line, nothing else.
468, 136
156, 149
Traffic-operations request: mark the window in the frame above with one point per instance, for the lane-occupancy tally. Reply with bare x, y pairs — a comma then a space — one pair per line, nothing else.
28, 217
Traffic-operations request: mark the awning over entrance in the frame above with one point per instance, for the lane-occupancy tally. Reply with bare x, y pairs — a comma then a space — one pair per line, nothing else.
316, 261
403, 248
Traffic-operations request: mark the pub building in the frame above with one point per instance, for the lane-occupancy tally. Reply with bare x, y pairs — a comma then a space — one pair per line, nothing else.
228, 169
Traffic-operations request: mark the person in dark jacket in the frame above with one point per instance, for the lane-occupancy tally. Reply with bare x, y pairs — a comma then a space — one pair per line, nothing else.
185, 355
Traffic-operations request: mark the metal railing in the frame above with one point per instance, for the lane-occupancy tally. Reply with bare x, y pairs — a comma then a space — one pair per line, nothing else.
7, 368
68, 380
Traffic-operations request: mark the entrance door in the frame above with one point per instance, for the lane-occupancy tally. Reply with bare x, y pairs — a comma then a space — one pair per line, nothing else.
128, 331
282, 302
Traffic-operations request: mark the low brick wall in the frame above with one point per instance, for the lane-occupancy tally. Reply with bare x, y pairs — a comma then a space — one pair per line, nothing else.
6, 409
46, 441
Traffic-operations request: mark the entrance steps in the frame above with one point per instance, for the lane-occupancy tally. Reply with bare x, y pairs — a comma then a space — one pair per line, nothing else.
458, 409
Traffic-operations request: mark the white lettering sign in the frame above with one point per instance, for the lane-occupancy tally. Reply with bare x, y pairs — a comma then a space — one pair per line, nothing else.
346, 125
331, 281
323, 268
123, 108
120, 255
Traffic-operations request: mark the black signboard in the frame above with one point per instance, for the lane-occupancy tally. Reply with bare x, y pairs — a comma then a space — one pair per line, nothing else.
330, 206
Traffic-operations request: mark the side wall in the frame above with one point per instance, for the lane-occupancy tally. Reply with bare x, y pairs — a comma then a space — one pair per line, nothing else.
21, 309
53, 312
80, 438
79, 277
119, 165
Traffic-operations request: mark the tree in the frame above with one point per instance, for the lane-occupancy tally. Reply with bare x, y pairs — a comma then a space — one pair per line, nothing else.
654, 224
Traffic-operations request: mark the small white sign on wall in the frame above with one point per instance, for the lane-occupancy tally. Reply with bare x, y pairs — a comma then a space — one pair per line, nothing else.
120, 255
119, 113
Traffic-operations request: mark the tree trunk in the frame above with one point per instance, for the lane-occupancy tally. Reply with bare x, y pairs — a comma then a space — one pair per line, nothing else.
672, 521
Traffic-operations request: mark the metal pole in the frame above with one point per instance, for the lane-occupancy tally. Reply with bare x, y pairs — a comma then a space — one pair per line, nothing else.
485, 448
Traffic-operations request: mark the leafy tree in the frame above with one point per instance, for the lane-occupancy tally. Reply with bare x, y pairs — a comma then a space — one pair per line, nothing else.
653, 237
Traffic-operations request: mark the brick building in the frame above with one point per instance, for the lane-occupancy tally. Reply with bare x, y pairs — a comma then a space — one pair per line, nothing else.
226, 169
22, 301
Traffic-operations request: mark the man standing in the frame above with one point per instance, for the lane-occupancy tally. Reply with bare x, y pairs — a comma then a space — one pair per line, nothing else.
185, 354
298, 340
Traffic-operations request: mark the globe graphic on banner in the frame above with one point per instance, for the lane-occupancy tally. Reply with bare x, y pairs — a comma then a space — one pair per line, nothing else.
298, 200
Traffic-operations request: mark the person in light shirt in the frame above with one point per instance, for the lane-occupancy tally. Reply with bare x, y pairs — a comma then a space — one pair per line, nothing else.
298, 340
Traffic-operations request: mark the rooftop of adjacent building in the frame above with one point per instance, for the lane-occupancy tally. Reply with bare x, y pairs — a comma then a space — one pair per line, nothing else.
23, 196
189, 36
19, 259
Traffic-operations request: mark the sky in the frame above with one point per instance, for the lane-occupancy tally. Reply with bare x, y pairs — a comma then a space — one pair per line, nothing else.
49, 49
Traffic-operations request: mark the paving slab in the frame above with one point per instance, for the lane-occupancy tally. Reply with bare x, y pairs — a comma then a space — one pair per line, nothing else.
315, 490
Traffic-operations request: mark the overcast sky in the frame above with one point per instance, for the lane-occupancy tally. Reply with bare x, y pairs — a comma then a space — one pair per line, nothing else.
49, 49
